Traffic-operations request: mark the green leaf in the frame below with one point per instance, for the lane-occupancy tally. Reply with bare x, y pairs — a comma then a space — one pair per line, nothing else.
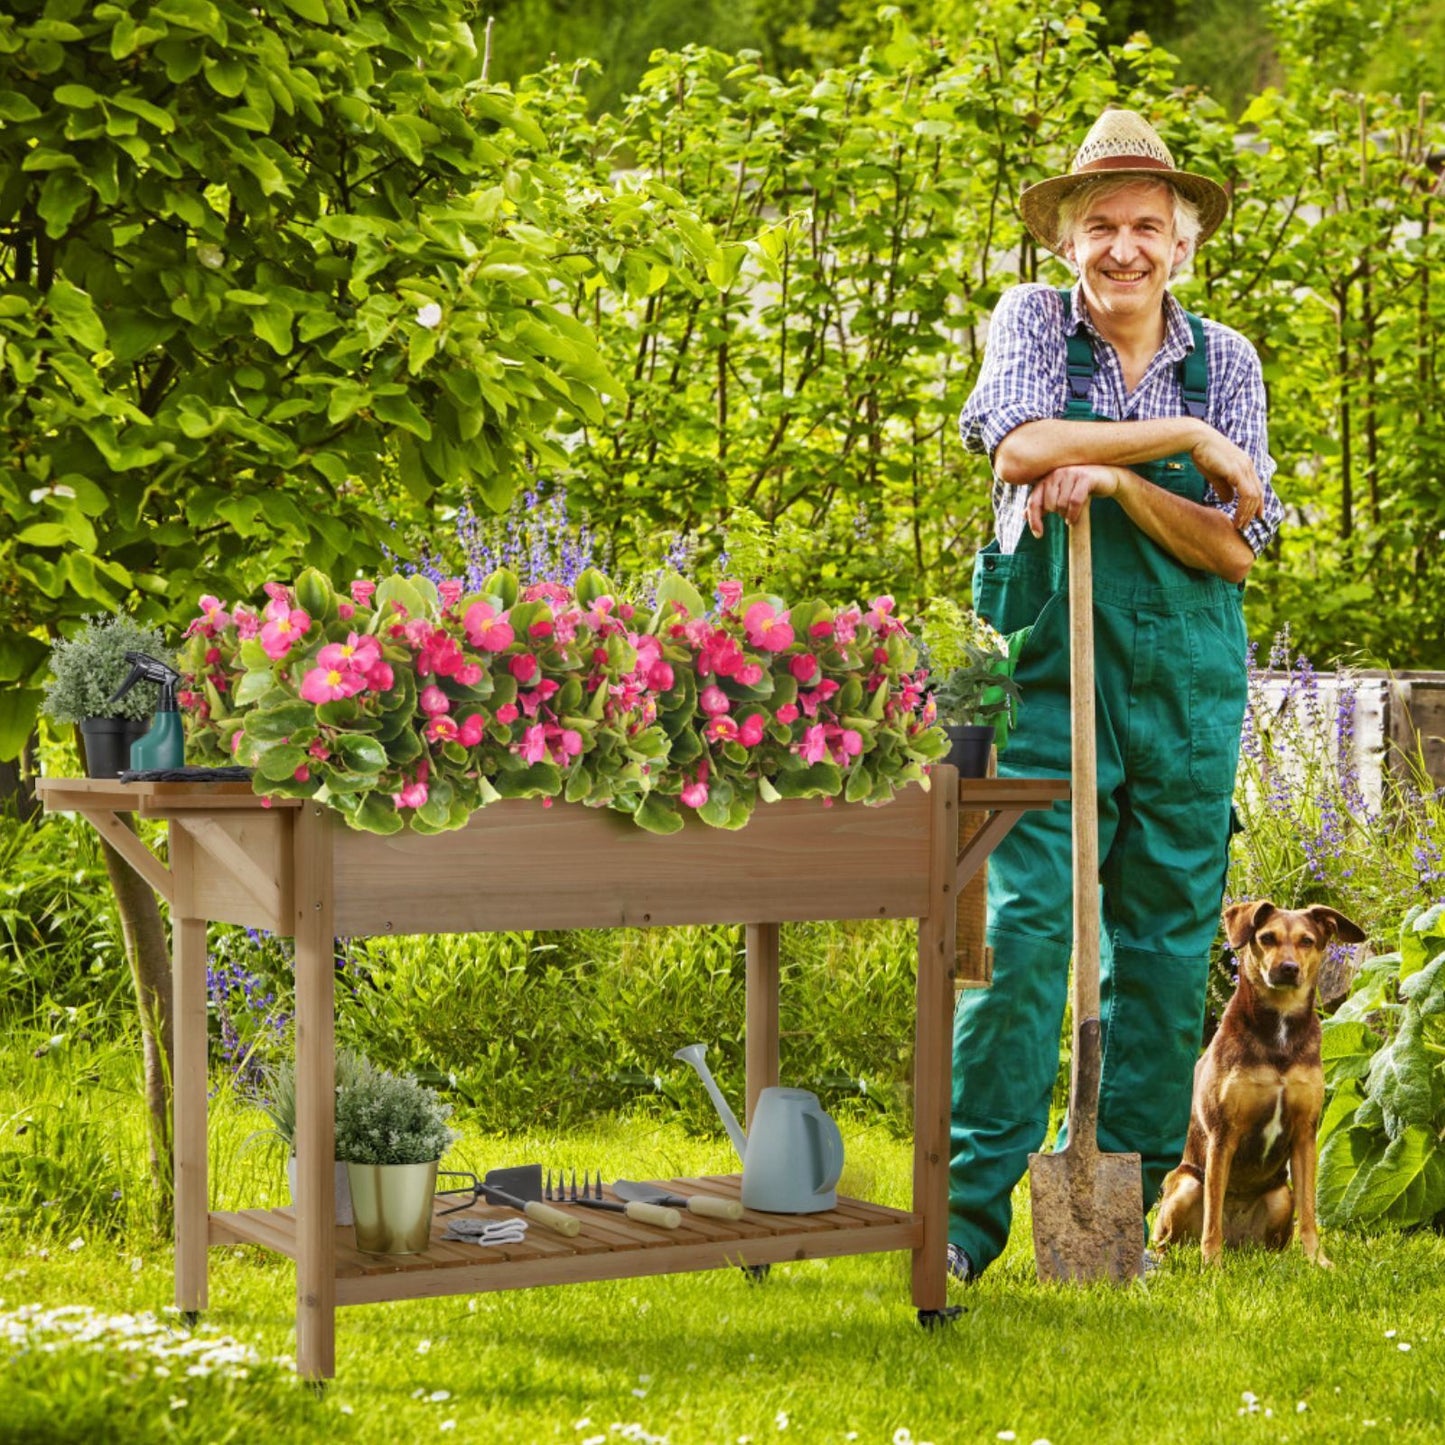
61, 197
280, 763
362, 754
312, 10
658, 815
77, 97
17, 108
1401, 1078
1402, 1182
19, 707
280, 722
675, 589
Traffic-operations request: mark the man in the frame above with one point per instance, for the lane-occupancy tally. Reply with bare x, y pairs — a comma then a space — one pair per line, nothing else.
1109, 392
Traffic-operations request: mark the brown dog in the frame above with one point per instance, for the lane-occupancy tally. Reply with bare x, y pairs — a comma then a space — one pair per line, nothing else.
1258, 1091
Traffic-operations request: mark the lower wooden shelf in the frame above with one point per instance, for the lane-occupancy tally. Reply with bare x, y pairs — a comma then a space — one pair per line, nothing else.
609, 1246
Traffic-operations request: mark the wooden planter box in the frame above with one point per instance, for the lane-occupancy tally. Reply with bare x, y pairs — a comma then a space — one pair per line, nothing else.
295, 869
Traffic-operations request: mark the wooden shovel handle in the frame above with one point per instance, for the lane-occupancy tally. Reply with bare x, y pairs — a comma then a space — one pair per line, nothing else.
1084, 789
1084, 773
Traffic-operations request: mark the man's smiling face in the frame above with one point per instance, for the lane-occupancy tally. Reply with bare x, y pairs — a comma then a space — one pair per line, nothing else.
1124, 246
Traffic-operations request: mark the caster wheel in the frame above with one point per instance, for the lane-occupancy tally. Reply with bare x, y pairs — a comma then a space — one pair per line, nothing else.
756, 1273
936, 1319
190, 1318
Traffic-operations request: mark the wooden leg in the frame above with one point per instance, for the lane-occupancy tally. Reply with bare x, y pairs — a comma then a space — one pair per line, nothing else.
762, 1011
315, 1100
933, 1051
188, 982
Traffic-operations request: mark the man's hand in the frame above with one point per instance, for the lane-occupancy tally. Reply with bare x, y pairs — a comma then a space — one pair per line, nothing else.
1065, 490
1230, 471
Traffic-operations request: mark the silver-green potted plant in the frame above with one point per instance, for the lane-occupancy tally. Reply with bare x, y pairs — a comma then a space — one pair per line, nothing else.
278, 1103
969, 667
392, 1133
86, 670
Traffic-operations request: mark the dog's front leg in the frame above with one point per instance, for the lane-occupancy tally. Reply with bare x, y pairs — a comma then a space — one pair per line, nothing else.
1218, 1157
1302, 1176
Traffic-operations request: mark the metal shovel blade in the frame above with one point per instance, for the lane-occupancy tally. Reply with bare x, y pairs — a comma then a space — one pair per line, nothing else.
1088, 1207
521, 1188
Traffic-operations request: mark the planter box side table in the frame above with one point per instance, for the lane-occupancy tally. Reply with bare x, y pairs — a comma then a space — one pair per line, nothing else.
295, 869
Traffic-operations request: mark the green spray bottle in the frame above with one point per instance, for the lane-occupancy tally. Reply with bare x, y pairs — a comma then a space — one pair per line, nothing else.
164, 746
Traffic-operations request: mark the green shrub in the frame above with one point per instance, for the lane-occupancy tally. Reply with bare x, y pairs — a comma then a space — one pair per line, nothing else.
384, 1118
90, 665
1383, 1132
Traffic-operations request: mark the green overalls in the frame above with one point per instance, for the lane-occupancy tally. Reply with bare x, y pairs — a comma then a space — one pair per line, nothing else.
1170, 694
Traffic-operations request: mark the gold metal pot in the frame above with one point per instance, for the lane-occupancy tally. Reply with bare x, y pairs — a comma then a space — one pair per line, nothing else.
393, 1206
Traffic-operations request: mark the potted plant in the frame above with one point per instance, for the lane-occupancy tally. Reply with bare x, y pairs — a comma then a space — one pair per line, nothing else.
392, 1133
278, 1103
973, 694
87, 669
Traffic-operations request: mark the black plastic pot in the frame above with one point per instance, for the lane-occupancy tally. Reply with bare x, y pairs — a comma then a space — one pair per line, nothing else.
107, 741
969, 750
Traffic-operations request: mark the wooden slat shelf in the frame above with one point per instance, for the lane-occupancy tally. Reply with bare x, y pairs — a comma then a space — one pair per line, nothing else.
609, 1246
294, 868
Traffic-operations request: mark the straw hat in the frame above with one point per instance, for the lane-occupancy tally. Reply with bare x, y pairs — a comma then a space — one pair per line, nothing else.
1122, 143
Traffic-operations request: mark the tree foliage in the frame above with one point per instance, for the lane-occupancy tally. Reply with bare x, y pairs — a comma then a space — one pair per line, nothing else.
259, 265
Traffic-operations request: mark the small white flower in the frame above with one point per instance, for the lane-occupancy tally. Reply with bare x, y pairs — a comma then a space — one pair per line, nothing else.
449, 1425
582, 1424
137, 1264
644, 1379
75, 1244
639, 1392
422, 1346
1301, 1407
177, 1403
429, 315
1006, 1435
903, 1436
345, 1409
781, 1419
1403, 1345
595, 1440
437, 1396
1390, 1334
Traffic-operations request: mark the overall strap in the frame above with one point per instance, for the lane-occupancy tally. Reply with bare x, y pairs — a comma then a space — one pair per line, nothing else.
1080, 363
1194, 371
1079, 360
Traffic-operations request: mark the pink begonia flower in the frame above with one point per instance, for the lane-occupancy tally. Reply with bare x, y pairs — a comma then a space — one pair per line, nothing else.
721, 730
814, 747
750, 734
362, 592
625, 612
570, 743
380, 677
546, 592
713, 701
694, 794
213, 654
845, 625
247, 624
345, 611
284, 630
534, 744
213, 618
319, 751
750, 674
660, 677
729, 593
565, 627
413, 795
434, 702
821, 629
487, 628
768, 628
543, 692
470, 732
523, 667
541, 630
788, 713
851, 742
469, 674
450, 592
441, 729
302, 773
507, 714
804, 666
277, 592
327, 684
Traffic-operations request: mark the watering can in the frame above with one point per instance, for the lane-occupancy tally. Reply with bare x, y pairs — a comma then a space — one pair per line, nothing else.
794, 1154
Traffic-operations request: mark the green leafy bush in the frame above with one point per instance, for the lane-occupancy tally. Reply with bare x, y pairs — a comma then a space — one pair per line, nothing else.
1383, 1130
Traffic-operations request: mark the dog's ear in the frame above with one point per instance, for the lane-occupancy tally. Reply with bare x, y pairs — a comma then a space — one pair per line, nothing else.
1337, 924
1242, 920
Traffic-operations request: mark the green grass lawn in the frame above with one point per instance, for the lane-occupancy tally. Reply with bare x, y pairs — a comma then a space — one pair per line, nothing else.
1265, 1349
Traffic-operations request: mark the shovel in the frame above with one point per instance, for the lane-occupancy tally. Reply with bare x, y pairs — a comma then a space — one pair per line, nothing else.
1088, 1207
519, 1188
709, 1205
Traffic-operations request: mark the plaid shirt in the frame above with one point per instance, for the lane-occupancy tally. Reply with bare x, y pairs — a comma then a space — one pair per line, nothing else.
1024, 379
